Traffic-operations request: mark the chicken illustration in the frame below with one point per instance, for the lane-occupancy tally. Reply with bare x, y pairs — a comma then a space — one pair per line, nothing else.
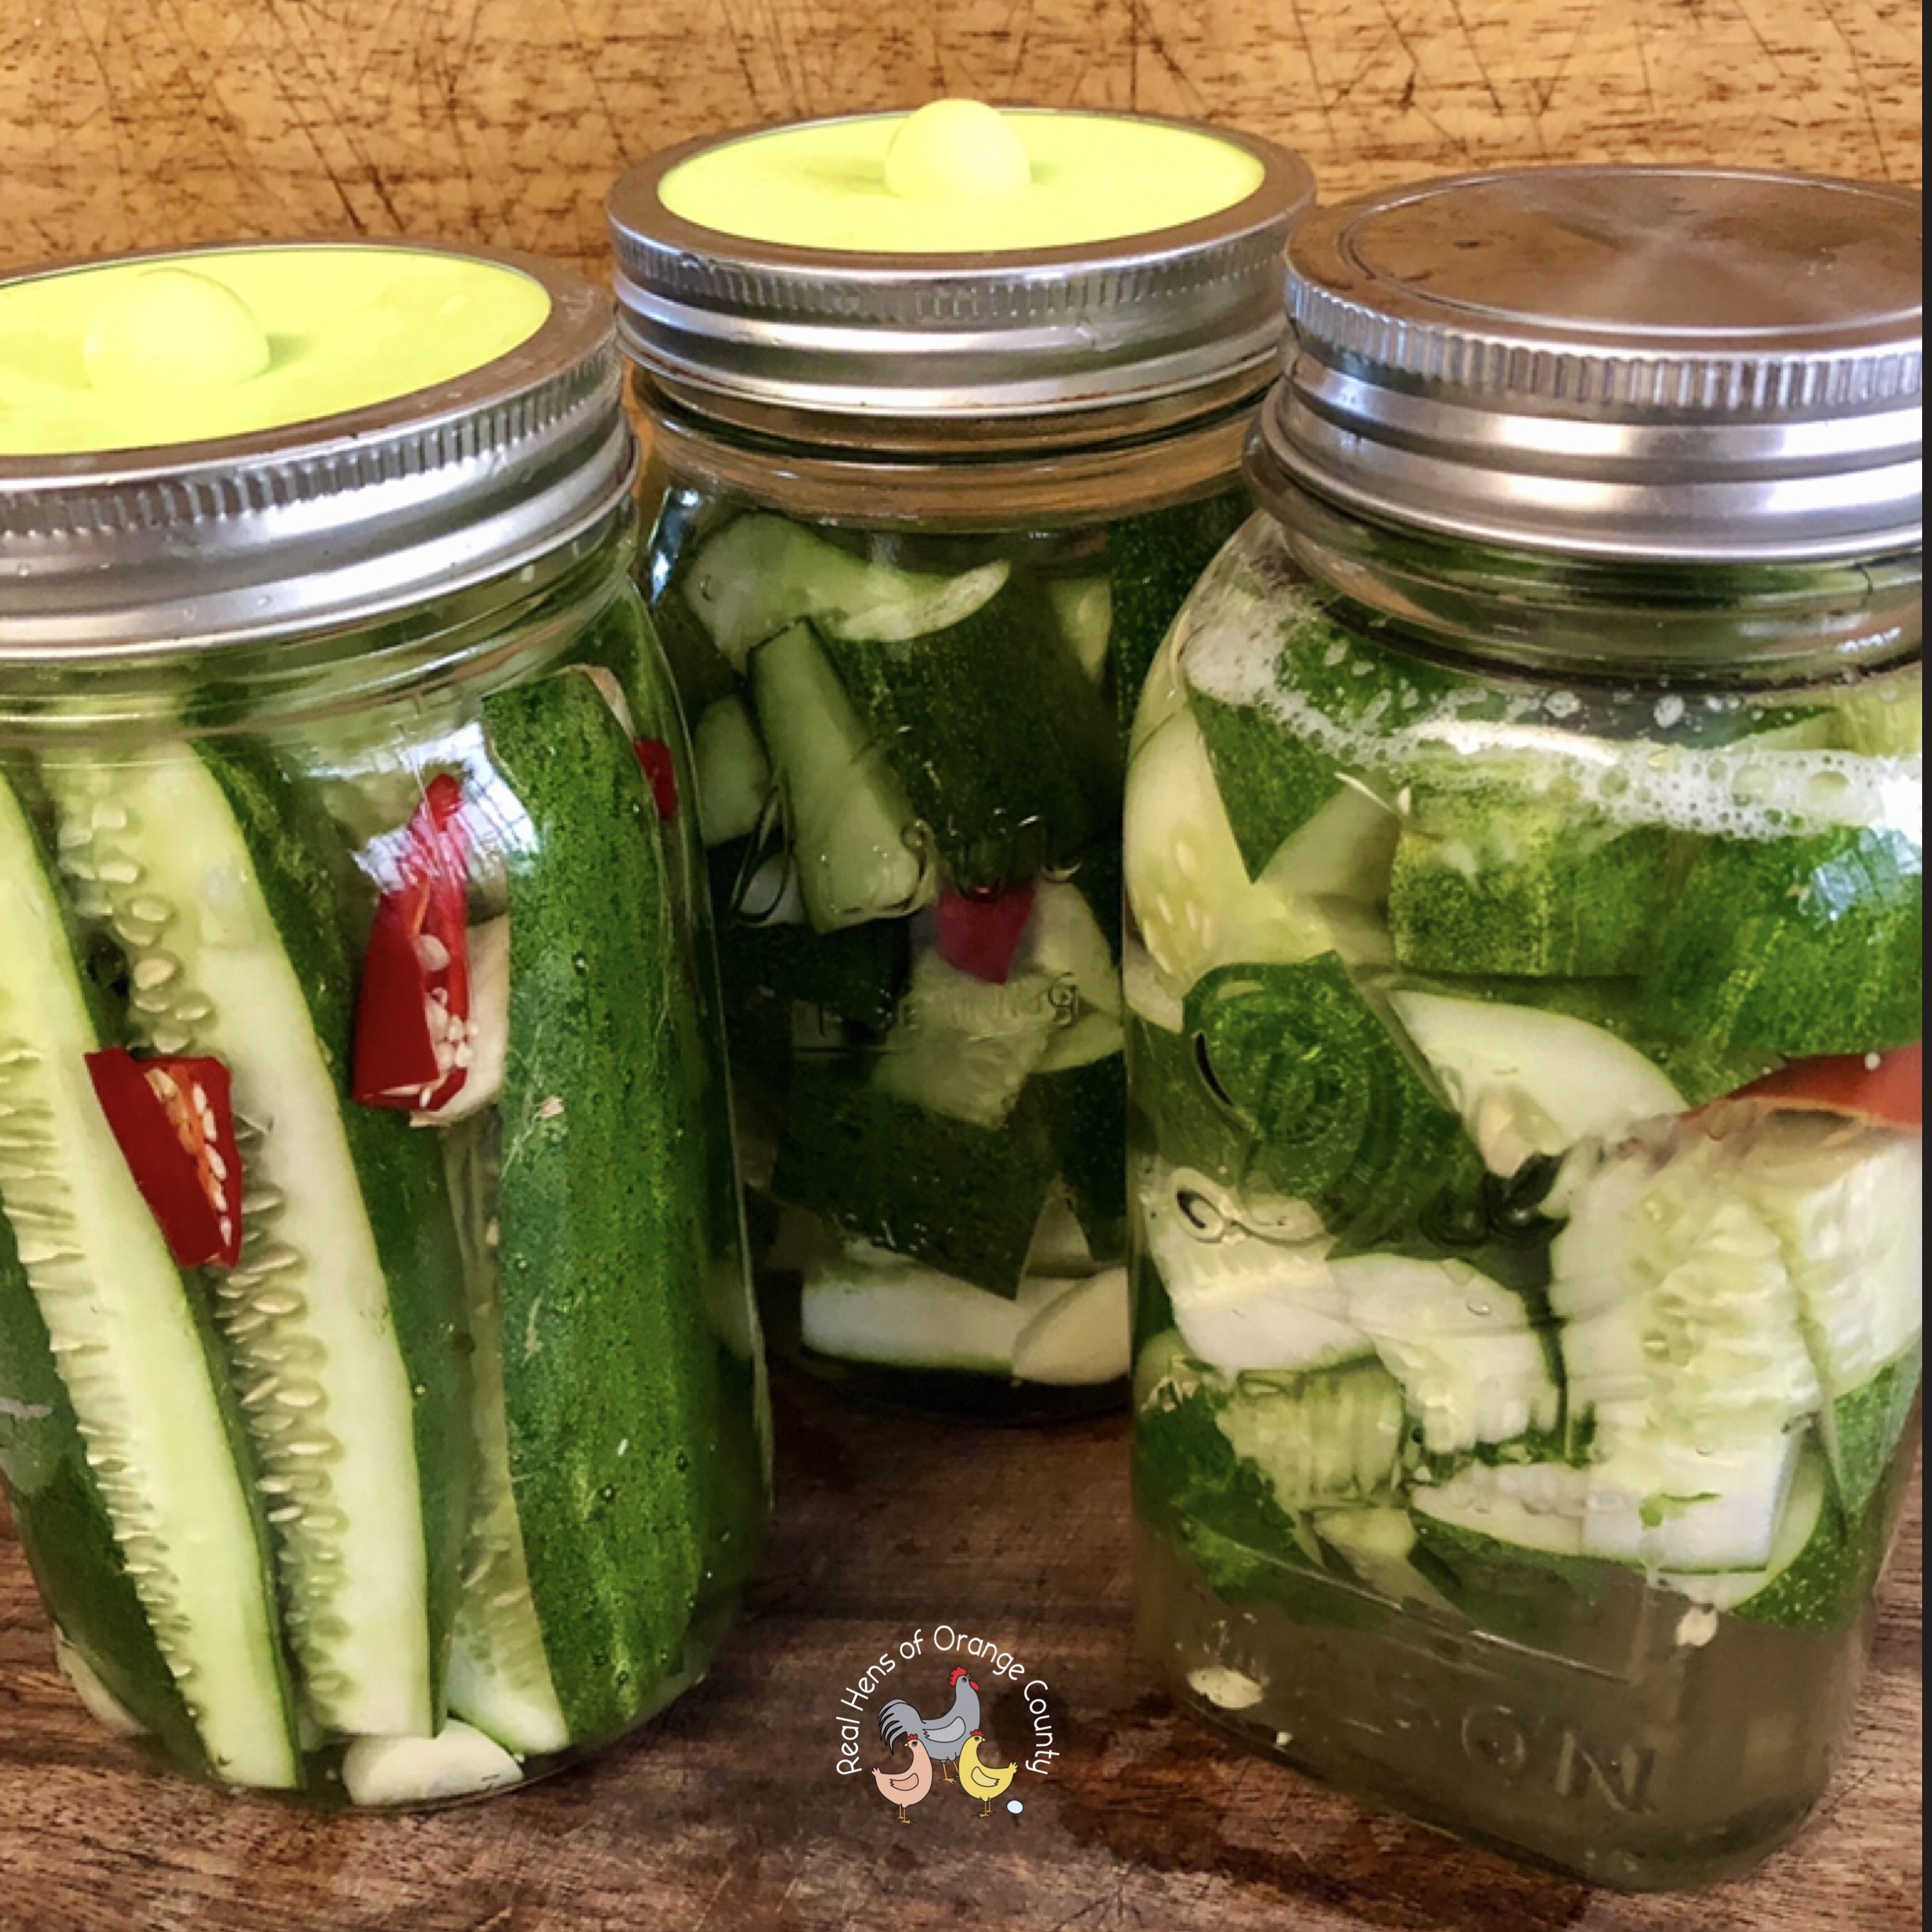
902, 1788
982, 1781
944, 1737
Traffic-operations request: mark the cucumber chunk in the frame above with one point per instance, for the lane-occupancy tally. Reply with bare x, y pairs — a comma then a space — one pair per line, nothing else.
761, 574
156, 1507
1337, 1115
1271, 783
458, 1763
608, 1228
1812, 944
964, 1047
1534, 1506
1080, 1336
734, 776
1153, 560
1241, 1299
500, 1679
219, 876
858, 973
1682, 1337
1007, 750
1487, 882
1333, 1436
854, 838
1189, 891
1083, 607
1527, 1081
1473, 1368
871, 1305
964, 1198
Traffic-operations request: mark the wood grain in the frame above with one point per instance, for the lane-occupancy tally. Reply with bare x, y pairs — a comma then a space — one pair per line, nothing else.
729, 1814
142, 122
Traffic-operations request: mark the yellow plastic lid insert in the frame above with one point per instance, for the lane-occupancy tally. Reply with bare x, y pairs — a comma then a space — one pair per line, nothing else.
163, 350
958, 177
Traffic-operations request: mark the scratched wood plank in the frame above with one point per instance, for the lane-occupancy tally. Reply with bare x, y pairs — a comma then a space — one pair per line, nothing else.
731, 1814
127, 122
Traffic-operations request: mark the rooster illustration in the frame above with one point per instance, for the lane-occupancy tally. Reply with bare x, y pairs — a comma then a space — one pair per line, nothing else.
944, 1738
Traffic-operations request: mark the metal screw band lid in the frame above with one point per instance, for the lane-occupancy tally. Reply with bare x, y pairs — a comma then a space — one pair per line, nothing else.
1667, 363
325, 523
735, 328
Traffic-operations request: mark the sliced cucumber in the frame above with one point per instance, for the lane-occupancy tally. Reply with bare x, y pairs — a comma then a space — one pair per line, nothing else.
1538, 1506
1671, 1503
761, 574
152, 1543
1527, 1081
734, 776
1186, 885
610, 1216
1083, 607
1080, 1336
457, 1762
1241, 1299
344, 1341
964, 1047
1682, 1339
1472, 1368
871, 1305
962, 1197
1333, 1436
1807, 944
1845, 1204
1344, 852
1488, 881
1008, 750
1806, 1503
500, 1679
1377, 1543
853, 834
1273, 783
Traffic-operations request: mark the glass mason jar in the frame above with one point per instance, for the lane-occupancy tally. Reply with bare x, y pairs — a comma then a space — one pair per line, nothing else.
1522, 858
384, 1417
911, 555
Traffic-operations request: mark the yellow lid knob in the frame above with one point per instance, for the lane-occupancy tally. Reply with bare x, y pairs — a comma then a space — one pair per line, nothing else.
956, 150
173, 328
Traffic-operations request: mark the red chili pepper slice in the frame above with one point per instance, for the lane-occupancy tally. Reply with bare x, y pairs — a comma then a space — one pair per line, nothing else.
1886, 1088
661, 768
413, 1031
174, 1121
979, 931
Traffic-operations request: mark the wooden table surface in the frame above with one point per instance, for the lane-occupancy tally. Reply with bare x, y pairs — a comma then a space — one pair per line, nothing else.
127, 123
731, 1814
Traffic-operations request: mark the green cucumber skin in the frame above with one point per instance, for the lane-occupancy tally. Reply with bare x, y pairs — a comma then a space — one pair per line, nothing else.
64, 1529
305, 874
1004, 747
604, 1240
1803, 945
1270, 783
630, 643
1154, 561
1082, 1112
963, 1198
1583, 900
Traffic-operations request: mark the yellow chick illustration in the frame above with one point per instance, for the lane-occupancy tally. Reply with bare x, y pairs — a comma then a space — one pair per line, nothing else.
982, 1781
